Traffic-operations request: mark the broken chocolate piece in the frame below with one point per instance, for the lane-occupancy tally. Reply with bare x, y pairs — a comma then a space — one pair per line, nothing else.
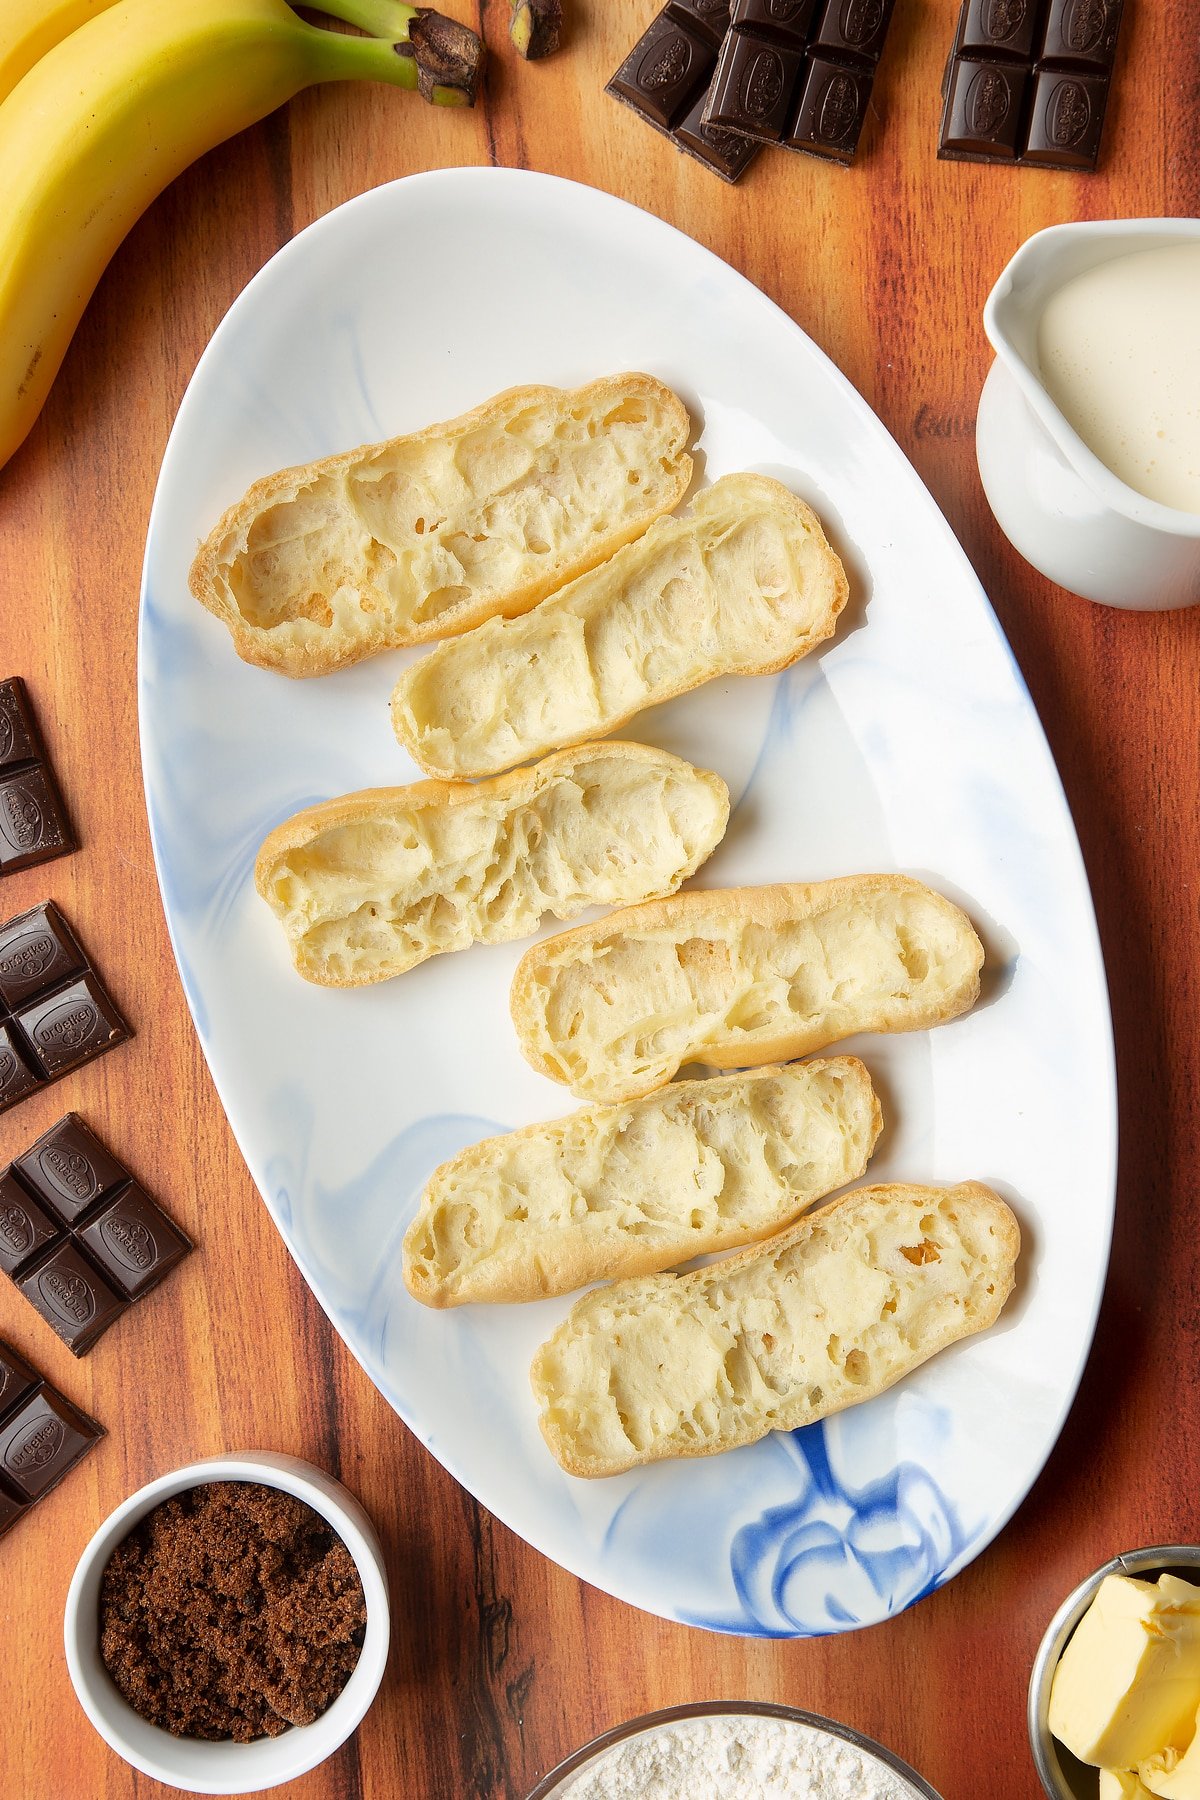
665, 79
68, 1168
134, 1242
26, 1229
752, 88
33, 823
1028, 82
72, 1296
79, 1236
41, 1441
800, 73
55, 1012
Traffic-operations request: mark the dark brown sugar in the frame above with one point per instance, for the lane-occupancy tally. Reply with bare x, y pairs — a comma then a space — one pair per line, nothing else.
231, 1611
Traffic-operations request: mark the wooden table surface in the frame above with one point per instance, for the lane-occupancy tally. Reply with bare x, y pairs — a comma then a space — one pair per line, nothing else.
502, 1663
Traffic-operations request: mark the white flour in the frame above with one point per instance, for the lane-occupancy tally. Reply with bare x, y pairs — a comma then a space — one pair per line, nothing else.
738, 1757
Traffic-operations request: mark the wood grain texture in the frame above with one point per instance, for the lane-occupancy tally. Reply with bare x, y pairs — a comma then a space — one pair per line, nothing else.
501, 1662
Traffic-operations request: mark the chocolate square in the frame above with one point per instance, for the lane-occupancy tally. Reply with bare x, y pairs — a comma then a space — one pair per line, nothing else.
752, 87
785, 19
33, 826
78, 1236
727, 153
69, 1168
19, 741
1027, 82
17, 1078
42, 1440
37, 951
982, 118
761, 66
25, 1229
998, 28
11, 1509
57, 1022
709, 17
73, 1297
17, 1379
664, 71
1082, 34
1066, 118
134, 1242
831, 110
853, 28
73, 1025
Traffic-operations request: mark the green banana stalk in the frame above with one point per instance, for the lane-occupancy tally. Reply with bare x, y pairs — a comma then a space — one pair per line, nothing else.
110, 114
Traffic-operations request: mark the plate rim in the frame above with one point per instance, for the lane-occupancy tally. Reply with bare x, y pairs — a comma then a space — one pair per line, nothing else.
493, 176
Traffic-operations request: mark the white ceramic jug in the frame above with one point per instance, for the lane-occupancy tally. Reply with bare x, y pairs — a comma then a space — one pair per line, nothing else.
1066, 513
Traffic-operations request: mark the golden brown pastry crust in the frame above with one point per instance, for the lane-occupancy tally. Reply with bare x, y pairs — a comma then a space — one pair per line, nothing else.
735, 977
742, 583
827, 1314
372, 883
429, 534
611, 1191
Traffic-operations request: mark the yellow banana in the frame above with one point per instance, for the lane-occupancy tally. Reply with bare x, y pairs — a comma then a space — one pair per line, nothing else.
111, 114
28, 28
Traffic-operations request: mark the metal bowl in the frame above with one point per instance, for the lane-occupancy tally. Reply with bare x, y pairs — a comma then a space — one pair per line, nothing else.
1063, 1776
555, 1784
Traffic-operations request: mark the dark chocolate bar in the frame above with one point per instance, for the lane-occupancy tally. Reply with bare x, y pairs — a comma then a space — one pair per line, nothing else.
73, 1297
25, 1228
33, 823
17, 1378
69, 1169
42, 1437
79, 1236
11, 1510
41, 1440
55, 1012
1028, 81
665, 79
799, 73
134, 1242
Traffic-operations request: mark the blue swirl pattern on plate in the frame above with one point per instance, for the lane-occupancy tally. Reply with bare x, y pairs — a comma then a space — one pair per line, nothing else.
839, 1555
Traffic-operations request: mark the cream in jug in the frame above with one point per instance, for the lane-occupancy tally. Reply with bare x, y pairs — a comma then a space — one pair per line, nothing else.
1119, 349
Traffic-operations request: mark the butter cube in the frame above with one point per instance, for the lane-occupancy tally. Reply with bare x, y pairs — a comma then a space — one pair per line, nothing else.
1127, 1686
1173, 1776
1122, 1784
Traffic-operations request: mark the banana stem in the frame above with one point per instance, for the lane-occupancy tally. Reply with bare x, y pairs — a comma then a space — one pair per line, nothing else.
410, 46
378, 18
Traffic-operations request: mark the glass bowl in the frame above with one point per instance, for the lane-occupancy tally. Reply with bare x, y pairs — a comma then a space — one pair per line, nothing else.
557, 1782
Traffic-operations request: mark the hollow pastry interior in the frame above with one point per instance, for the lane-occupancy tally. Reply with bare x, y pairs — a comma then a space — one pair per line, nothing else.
740, 976
742, 583
369, 885
624, 1190
427, 534
828, 1314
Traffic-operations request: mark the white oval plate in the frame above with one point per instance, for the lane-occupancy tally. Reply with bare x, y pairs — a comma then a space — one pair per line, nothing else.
910, 744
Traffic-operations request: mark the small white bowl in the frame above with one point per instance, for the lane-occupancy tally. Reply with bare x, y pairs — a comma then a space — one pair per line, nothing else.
558, 1783
197, 1766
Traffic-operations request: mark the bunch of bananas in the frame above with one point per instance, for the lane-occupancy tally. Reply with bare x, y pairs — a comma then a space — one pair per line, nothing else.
103, 102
